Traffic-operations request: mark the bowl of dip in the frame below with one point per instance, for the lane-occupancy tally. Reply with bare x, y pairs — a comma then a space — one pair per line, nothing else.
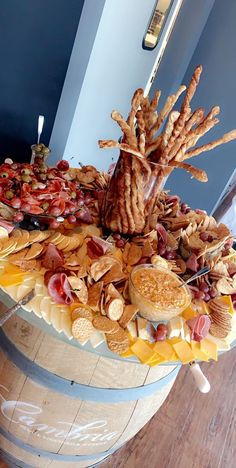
155, 291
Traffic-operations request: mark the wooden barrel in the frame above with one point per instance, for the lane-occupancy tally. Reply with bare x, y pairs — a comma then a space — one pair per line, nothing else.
63, 406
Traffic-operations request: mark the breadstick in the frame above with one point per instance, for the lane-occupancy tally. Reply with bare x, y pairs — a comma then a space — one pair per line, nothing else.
135, 103
170, 102
197, 173
213, 144
122, 146
130, 137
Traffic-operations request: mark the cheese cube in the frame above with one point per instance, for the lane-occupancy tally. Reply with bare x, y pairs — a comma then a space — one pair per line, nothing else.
164, 349
188, 313
142, 351
198, 353
184, 352
209, 348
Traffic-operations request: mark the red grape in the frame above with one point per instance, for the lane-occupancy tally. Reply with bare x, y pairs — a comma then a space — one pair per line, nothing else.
80, 202
213, 293
199, 295
55, 211
63, 165
116, 236
204, 236
204, 287
54, 224
71, 219
171, 255
207, 297
161, 332
18, 217
120, 243
16, 202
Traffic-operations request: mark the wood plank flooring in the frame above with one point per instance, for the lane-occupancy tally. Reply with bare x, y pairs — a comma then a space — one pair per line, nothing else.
191, 430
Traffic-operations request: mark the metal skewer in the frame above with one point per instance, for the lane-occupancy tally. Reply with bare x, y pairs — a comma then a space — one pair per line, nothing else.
199, 273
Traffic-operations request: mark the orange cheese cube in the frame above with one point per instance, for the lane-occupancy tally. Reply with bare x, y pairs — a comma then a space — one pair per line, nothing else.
184, 352
142, 351
165, 350
188, 313
209, 348
198, 353
227, 300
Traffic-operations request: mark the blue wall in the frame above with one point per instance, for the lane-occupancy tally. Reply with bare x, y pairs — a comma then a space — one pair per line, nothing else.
36, 39
216, 51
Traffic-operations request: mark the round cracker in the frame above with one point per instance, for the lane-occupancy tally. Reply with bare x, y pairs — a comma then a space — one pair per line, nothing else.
81, 312
118, 348
82, 329
105, 325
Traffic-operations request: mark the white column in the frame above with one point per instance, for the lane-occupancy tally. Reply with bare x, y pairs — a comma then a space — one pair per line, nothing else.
107, 64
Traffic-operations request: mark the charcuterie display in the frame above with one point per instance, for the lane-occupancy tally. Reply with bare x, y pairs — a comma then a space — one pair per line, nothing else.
108, 255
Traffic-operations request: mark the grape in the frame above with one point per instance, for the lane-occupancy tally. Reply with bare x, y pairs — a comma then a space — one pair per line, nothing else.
204, 236
199, 295
213, 293
71, 219
116, 236
63, 165
55, 211
210, 238
120, 243
169, 255
233, 297
204, 287
16, 202
161, 332
18, 217
54, 224
87, 199
207, 297
80, 202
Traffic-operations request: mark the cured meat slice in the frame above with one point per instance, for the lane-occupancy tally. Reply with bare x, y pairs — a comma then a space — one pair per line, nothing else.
59, 289
199, 326
53, 259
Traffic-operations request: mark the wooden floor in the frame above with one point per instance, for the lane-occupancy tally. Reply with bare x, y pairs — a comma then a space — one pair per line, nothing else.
191, 430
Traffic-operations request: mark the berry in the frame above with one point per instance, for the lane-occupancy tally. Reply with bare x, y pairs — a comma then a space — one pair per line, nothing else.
213, 293
161, 332
73, 195
199, 295
63, 165
116, 236
207, 297
204, 287
204, 236
54, 224
80, 202
120, 243
18, 217
171, 255
55, 211
71, 219
16, 202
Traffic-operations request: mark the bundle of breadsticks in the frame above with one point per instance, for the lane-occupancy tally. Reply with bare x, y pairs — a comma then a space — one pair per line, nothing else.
153, 144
